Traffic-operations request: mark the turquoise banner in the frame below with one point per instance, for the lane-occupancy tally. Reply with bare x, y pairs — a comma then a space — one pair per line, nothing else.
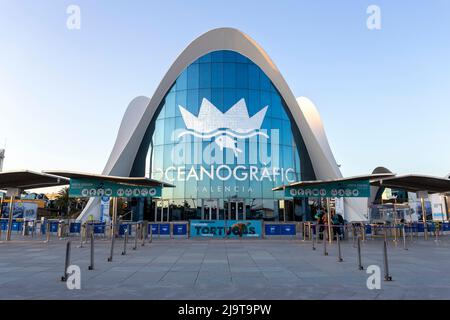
99, 188
226, 228
352, 189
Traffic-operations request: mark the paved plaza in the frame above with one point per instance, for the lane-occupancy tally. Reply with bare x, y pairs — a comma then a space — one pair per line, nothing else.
224, 269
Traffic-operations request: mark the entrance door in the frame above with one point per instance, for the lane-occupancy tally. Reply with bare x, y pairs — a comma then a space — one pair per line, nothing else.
210, 209
235, 209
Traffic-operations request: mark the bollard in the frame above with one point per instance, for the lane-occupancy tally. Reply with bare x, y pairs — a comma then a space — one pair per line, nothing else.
67, 262
91, 266
81, 235
436, 232
136, 233
113, 236
325, 253
339, 248
360, 267
144, 232
125, 239
353, 236
151, 234
313, 241
47, 230
387, 277
404, 237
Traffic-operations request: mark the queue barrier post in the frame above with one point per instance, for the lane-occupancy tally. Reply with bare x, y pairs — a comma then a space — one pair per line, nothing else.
360, 266
325, 252
91, 266
113, 236
136, 234
125, 240
67, 261
313, 241
387, 277
47, 231
404, 237
339, 249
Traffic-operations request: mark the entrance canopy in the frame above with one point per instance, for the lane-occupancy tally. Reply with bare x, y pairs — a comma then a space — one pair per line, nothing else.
357, 186
136, 181
25, 179
415, 183
95, 185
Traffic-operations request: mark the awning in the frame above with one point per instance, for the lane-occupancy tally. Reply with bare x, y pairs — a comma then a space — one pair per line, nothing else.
369, 177
26, 179
136, 181
415, 183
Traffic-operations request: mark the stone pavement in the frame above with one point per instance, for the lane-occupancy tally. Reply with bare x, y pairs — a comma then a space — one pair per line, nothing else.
224, 269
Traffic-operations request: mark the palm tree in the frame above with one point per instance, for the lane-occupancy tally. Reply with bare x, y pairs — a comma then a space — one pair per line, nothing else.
62, 199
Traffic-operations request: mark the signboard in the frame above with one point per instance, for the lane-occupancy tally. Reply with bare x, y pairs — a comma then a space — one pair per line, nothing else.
21, 210
179, 229
280, 229
226, 228
353, 189
99, 188
104, 210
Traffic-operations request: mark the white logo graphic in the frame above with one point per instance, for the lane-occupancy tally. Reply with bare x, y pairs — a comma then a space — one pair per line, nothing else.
225, 127
144, 192
92, 192
73, 277
120, 192
374, 280
85, 192
128, 192
136, 192
152, 192
108, 192
100, 192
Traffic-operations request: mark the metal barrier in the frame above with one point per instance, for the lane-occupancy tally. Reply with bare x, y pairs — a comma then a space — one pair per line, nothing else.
91, 266
360, 266
387, 277
67, 261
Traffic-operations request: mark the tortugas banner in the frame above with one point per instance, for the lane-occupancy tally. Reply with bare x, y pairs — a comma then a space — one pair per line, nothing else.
226, 228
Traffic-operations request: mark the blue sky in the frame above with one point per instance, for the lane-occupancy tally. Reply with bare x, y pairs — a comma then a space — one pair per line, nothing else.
384, 95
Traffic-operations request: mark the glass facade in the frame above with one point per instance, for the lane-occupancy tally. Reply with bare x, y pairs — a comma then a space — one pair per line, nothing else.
215, 140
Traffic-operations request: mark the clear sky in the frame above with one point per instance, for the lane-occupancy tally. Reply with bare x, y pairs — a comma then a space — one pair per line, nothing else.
384, 95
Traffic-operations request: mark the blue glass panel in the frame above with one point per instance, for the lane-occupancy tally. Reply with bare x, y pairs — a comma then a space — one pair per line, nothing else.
229, 75
205, 59
217, 56
217, 98
229, 56
158, 136
170, 105
194, 101
193, 76
242, 76
181, 83
253, 77
181, 100
265, 82
205, 75
217, 75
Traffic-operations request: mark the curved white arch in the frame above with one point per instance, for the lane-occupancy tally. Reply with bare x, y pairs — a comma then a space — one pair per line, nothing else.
132, 132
